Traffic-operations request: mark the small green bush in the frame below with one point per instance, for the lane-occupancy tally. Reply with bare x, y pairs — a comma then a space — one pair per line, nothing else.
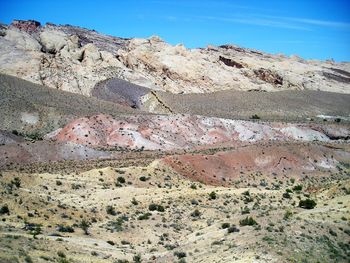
110, 210
193, 186
255, 117
287, 195
180, 254
4, 210
61, 254
16, 182
307, 204
248, 221
232, 229
155, 207
121, 179
212, 196
196, 213
84, 225
137, 258
144, 178
245, 210
225, 225
288, 214
117, 225
65, 229
134, 201
144, 216
297, 188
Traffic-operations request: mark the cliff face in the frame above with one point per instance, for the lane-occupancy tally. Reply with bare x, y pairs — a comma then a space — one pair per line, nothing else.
76, 59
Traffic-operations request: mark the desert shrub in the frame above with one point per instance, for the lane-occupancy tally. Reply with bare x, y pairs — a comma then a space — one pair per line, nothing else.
248, 221
194, 202
246, 193
35, 136
155, 207
212, 196
36, 230
110, 242
111, 210
134, 201
160, 208
117, 225
232, 229
28, 259
16, 182
288, 214
58, 183
144, 178
307, 204
144, 216
137, 258
255, 117
297, 188
245, 210
287, 195
4, 210
125, 242
61, 254
63, 228
193, 186
76, 186
225, 225
121, 179
333, 233
180, 254
196, 213
84, 225
152, 207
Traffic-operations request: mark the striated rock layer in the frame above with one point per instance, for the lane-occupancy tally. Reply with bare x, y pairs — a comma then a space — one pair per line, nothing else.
290, 160
184, 132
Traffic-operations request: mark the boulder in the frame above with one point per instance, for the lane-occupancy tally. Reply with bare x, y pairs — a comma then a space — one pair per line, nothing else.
22, 40
53, 40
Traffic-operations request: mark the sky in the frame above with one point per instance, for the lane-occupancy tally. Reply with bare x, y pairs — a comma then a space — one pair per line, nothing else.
312, 29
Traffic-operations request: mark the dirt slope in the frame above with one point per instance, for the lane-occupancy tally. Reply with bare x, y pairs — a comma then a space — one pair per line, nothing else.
281, 105
30, 108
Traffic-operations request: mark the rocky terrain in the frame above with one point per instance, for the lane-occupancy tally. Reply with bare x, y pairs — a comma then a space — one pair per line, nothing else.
133, 150
76, 59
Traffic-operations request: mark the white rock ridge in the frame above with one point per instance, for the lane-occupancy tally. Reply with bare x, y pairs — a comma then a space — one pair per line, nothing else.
76, 59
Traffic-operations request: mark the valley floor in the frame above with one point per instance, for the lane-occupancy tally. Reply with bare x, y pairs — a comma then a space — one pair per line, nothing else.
150, 212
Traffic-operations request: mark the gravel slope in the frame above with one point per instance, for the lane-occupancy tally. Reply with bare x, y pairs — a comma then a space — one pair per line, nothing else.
282, 105
29, 108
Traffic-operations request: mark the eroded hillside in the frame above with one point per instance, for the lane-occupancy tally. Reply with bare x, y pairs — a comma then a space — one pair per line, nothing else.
76, 59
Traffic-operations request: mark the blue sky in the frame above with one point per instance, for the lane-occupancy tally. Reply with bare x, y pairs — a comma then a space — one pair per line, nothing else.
310, 28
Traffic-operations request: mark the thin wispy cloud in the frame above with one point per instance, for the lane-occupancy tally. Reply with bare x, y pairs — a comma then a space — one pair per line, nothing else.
333, 24
293, 23
248, 20
313, 22
213, 4
247, 14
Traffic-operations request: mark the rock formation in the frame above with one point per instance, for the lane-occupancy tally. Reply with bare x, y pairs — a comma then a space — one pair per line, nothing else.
76, 59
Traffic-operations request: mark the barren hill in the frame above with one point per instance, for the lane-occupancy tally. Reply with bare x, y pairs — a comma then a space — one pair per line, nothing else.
32, 108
